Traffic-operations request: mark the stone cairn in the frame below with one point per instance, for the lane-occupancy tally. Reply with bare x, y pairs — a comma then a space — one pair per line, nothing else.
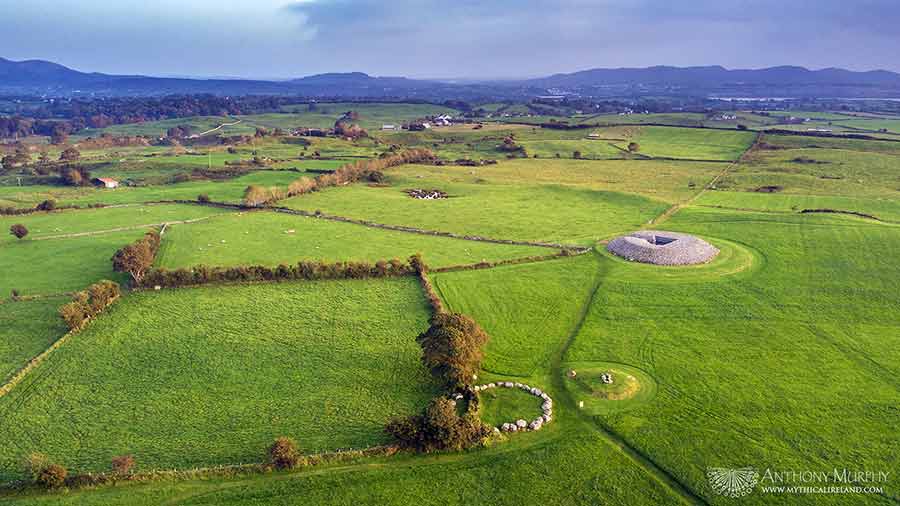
521, 424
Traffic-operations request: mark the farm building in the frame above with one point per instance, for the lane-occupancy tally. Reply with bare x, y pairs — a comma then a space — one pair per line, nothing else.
388, 127
106, 182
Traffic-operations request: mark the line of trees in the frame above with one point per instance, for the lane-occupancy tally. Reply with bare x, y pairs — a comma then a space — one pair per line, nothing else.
304, 270
371, 170
137, 257
89, 303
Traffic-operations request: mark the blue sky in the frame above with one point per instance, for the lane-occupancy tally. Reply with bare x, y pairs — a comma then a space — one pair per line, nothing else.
458, 38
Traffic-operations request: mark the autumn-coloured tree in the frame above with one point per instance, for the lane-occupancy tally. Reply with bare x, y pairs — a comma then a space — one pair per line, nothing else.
18, 230
283, 453
70, 154
452, 348
138, 256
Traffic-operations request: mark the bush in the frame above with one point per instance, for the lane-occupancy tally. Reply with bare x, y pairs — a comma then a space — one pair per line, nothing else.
452, 348
439, 427
18, 230
283, 453
52, 476
89, 303
43, 472
47, 205
123, 464
633, 147
203, 198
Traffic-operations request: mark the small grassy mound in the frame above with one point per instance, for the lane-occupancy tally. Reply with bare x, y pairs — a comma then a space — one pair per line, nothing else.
629, 386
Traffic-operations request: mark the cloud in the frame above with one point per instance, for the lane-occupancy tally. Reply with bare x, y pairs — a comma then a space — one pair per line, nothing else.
439, 38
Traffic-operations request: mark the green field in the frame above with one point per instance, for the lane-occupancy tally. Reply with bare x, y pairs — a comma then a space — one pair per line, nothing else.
231, 369
60, 265
781, 353
61, 223
26, 329
266, 238
501, 211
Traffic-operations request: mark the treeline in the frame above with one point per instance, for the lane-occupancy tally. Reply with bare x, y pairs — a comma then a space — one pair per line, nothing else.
303, 270
45, 206
89, 303
370, 170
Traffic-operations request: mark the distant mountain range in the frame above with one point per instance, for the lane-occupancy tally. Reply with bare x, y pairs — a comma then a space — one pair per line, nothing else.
37, 77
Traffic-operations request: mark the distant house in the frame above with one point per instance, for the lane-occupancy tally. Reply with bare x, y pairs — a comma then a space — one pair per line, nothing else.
594, 135
443, 120
106, 182
388, 127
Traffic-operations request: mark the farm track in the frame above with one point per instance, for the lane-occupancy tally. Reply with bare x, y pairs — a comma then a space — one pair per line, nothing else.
663, 477
119, 229
668, 213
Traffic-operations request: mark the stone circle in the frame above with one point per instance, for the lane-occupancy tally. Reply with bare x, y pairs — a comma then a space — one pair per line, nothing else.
522, 424
662, 248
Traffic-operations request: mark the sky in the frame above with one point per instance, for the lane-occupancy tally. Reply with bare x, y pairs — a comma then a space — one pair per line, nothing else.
446, 38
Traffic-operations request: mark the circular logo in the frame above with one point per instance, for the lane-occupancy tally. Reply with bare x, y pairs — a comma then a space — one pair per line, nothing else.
732, 482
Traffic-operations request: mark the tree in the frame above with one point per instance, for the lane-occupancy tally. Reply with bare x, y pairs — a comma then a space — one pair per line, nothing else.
633, 147
136, 258
75, 175
452, 348
18, 230
576, 154
122, 464
439, 427
255, 196
43, 472
70, 154
283, 453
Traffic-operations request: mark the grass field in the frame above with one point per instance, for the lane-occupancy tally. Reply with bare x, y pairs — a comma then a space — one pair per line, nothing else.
60, 265
502, 211
231, 190
770, 362
59, 223
781, 353
327, 363
524, 308
692, 143
26, 329
266, 238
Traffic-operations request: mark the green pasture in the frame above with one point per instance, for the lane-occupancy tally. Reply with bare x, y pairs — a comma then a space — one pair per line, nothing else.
764, 369
501, 211
269, 238
54, 266
528, 310
207, 376
80, 221
26, 329
692, 143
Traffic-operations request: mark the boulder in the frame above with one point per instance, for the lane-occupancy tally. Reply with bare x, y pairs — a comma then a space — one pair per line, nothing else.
521, 423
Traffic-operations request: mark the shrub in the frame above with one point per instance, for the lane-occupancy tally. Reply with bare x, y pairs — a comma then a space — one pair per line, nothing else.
47, 205
41, 471
88, 303
633, 147
203, 198
123, 464
452, 348
18, 230
439, 427
52, 476
283, 453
